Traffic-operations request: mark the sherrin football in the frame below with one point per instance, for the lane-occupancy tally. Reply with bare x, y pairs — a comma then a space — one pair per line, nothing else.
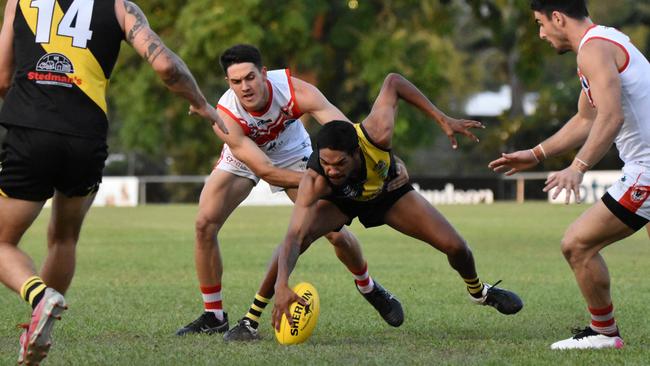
304, 317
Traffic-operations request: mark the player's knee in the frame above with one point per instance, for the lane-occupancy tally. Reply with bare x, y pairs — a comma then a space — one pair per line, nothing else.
206, 226
338, 239
458, 250
571, 248
62, 238
456, 247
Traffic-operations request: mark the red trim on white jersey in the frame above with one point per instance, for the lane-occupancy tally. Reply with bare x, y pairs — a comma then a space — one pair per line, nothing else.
273, 131
276, 131
268, 102
294, 108
240, 122
588, 29
627, 54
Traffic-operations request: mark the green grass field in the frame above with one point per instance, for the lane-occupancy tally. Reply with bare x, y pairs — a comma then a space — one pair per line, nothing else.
135, 285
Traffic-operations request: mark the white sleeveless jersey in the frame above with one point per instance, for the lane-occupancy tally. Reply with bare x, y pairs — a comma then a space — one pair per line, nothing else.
633, 140
276, 129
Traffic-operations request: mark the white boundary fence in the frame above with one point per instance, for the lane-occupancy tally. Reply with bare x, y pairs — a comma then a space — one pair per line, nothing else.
594, 184
132, 191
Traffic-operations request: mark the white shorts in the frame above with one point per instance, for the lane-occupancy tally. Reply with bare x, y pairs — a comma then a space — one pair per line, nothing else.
295, 160
629, 197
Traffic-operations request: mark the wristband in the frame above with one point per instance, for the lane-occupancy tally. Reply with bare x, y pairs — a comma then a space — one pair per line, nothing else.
543, 152
580, 165
539, 153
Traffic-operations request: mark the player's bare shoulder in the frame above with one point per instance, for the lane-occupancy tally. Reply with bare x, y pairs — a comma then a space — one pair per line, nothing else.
600, 55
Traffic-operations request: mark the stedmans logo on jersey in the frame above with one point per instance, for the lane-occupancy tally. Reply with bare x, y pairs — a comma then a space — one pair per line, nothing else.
52, 69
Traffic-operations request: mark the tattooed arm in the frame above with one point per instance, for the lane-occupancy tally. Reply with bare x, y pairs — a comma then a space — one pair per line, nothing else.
171, 69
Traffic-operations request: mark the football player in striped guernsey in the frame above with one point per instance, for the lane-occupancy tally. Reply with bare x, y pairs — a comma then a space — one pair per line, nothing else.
346, 178
56, 58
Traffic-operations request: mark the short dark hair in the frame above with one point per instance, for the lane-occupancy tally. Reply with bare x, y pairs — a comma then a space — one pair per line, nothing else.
238, 54
576, 9
339, 136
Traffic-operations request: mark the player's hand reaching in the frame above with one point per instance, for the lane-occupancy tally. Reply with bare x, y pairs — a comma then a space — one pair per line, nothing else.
569, 179
514, 162
401, 179
453, 126
208, 112
284, 297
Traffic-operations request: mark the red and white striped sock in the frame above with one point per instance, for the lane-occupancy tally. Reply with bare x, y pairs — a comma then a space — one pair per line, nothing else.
602, 321
363, 280
212, 300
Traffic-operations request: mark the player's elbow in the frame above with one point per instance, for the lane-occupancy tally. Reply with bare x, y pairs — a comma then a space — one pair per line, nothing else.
168, 66
615, 119
392, 79
166, 69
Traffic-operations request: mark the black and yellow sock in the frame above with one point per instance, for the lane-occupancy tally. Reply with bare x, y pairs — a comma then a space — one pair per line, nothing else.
474, 286
255, 311
33, 290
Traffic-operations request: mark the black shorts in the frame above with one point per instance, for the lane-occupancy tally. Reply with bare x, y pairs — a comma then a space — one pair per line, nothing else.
634, 221
370, 213
34, 163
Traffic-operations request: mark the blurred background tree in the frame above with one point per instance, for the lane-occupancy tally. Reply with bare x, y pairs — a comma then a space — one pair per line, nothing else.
346, 48
451, 49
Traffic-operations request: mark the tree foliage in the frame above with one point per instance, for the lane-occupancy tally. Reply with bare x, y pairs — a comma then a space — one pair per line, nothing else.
449, 48
345, 48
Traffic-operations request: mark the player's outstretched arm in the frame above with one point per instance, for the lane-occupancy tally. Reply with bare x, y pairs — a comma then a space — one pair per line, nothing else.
169, 67
312, 187
247, 151
573, 134
7, 48
381, 121
310, 100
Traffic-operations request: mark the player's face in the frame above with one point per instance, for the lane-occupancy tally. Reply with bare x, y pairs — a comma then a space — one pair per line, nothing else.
550, 31
338, 165
249, 85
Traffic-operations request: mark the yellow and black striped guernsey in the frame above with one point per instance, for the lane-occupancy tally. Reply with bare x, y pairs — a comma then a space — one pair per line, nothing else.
64, 53
371, 182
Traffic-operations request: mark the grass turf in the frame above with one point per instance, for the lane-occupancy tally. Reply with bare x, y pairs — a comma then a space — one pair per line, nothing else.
135, 285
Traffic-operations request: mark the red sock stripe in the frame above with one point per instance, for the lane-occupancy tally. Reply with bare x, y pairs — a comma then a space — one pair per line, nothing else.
605, 324
213, 305
364, 282
603, 311
361, 272
210, 289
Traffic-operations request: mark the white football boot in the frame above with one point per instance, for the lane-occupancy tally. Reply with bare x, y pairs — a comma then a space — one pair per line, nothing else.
589, 339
